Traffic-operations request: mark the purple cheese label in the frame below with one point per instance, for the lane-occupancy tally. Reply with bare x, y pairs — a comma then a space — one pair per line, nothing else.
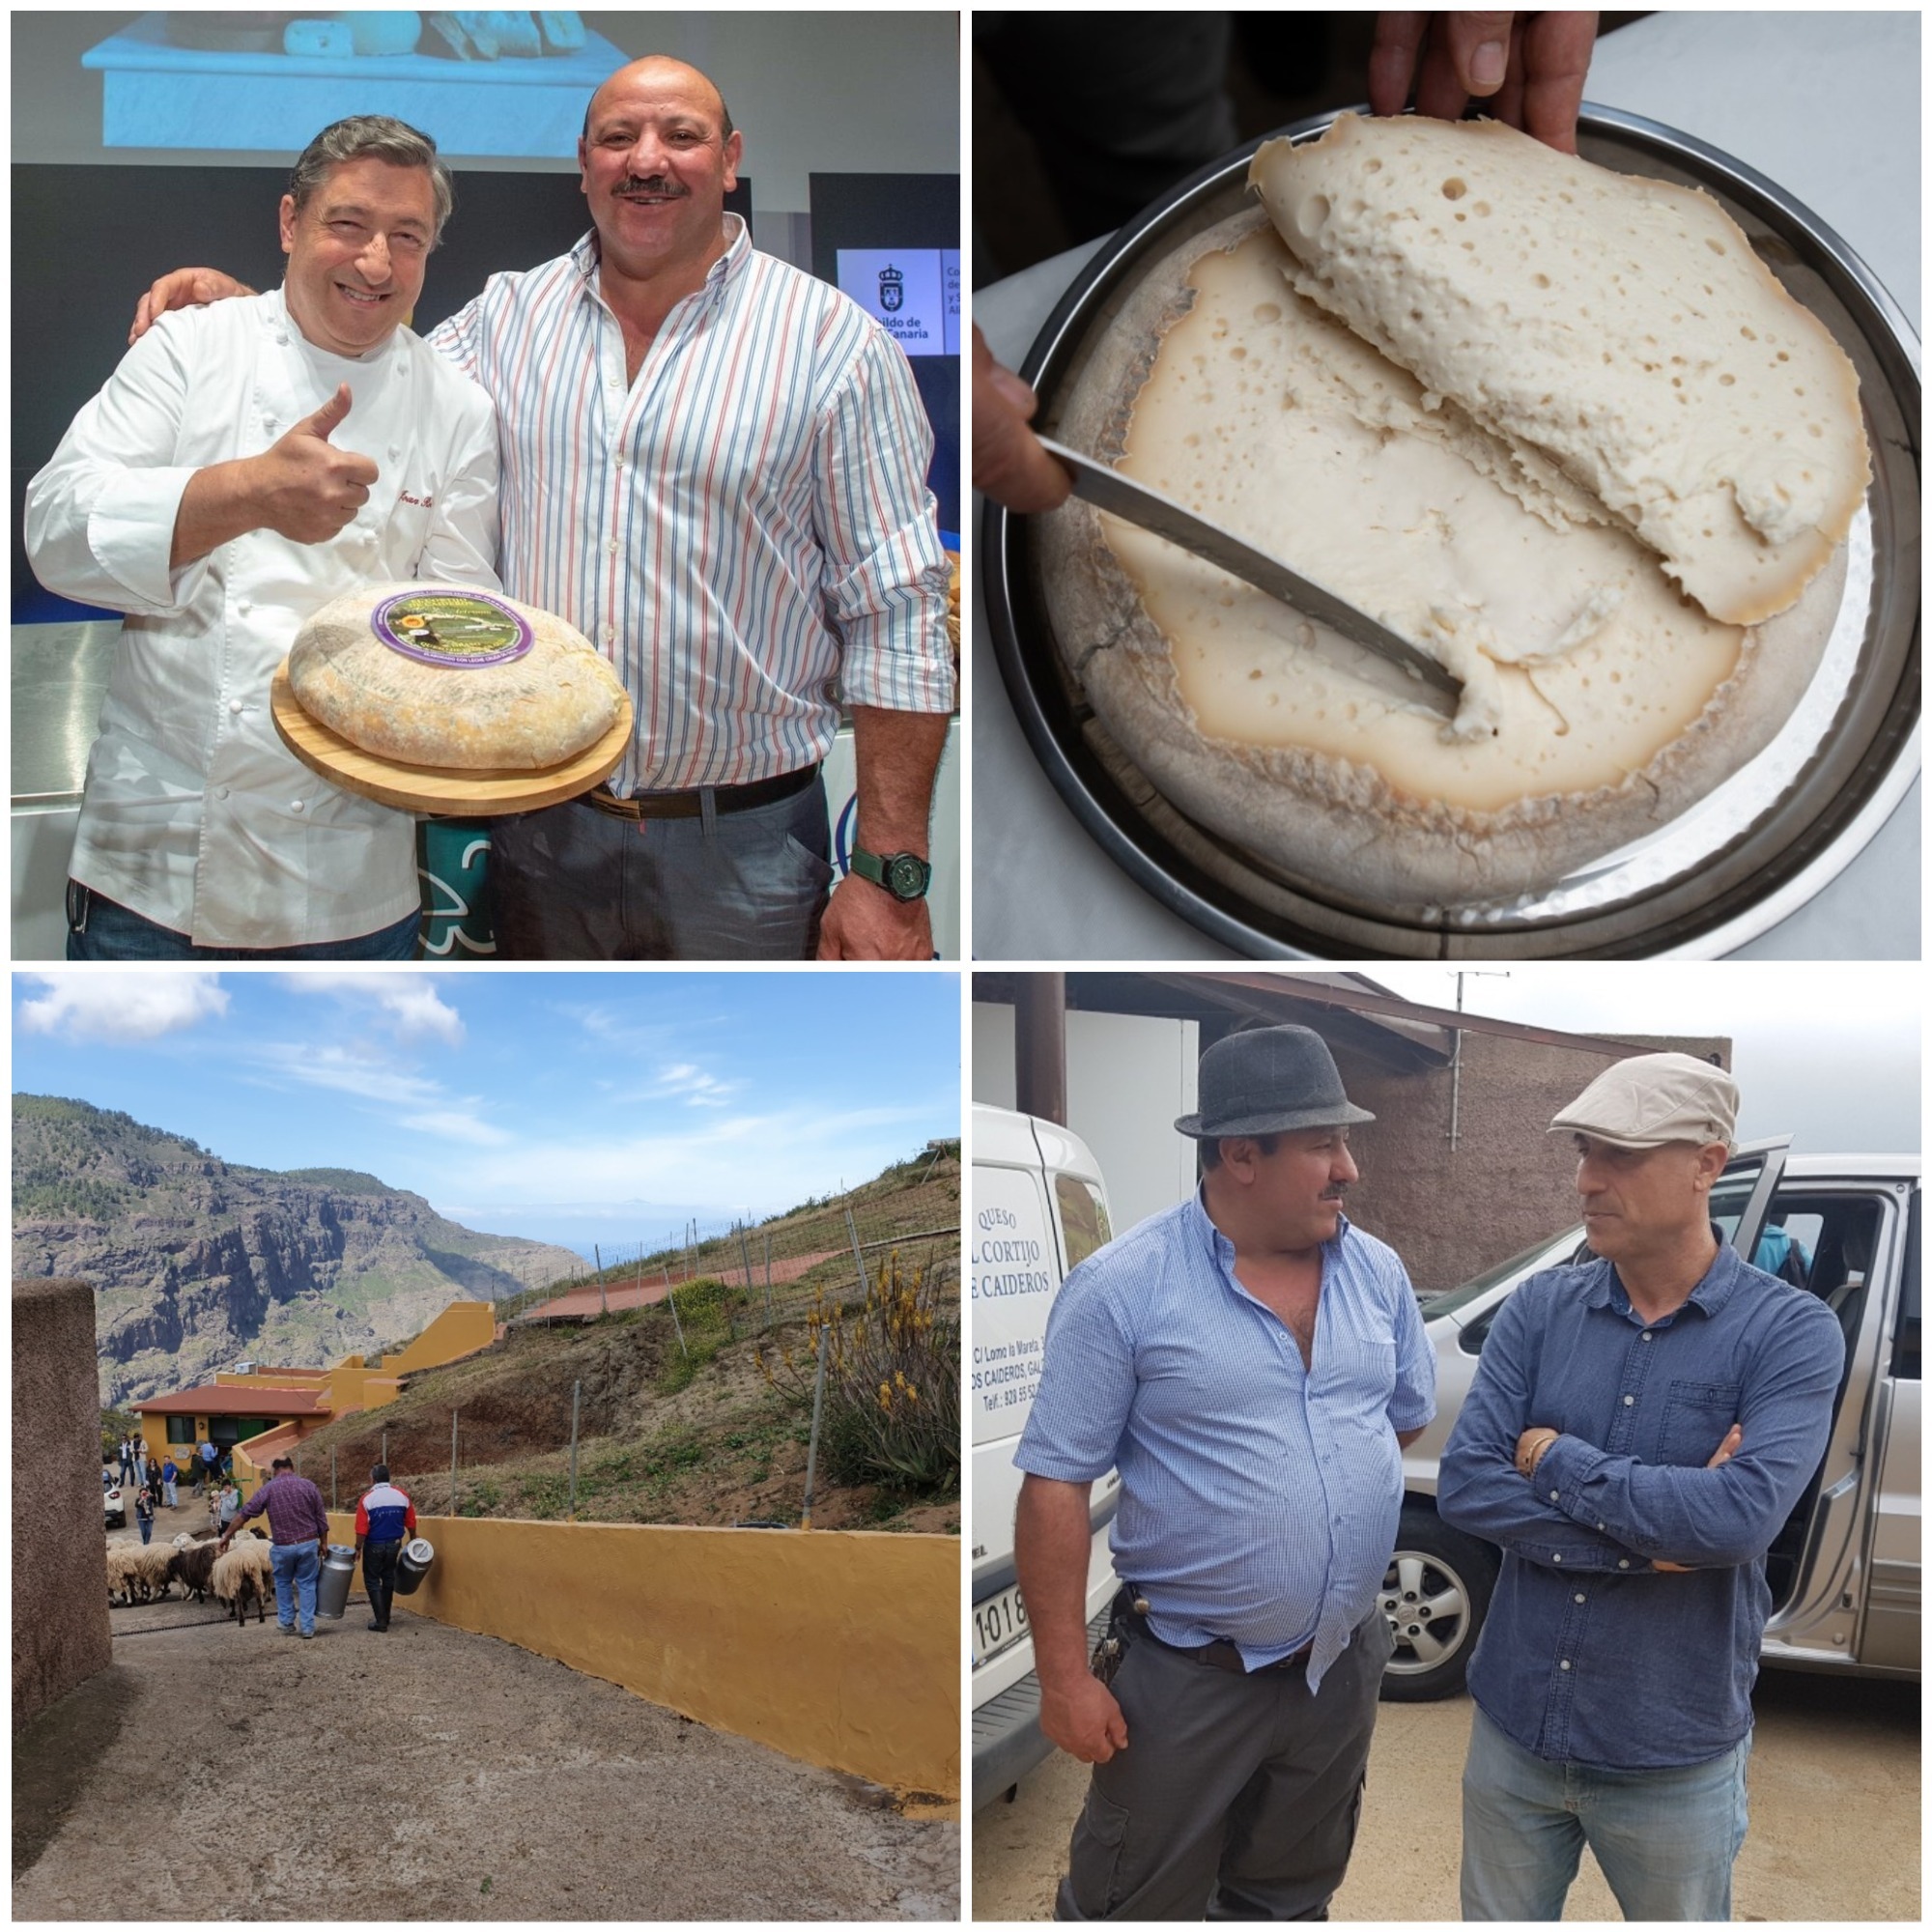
459, 628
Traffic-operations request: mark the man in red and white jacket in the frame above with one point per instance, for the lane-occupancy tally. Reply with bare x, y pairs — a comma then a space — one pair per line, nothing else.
385, 1519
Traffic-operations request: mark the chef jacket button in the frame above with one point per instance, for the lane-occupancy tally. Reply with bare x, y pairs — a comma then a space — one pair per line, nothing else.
243, 608
222, 791
295, 804
235, 707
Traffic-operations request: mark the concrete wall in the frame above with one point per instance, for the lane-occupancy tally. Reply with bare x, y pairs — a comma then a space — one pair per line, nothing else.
1508, 1182
840, 1647
61, 1633
461, 1329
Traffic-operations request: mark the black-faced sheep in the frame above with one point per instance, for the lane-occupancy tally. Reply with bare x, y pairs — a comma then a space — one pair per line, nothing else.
192, 1567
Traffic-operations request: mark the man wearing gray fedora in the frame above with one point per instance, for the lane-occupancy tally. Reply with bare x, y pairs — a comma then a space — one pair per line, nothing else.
1639, 1429
1253, 1365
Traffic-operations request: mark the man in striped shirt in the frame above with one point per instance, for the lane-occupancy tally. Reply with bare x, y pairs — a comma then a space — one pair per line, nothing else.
1253, 1365
714, 466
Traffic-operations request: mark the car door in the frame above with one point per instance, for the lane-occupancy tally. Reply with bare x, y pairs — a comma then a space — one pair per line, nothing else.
1889, 1633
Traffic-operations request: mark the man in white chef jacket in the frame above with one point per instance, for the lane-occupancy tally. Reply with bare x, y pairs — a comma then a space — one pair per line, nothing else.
245, 463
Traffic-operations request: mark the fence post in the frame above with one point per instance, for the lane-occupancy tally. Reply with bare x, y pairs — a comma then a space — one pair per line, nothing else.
575, 1395
671, 1296
817, 1410
603, 1300
745, 1250
452, 1462
771, 1317
857, 1255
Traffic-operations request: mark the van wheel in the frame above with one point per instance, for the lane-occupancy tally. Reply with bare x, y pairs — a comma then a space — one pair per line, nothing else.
1435, 1596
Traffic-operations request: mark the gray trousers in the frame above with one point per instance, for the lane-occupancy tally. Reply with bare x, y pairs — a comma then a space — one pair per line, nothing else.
1236, 1797
574, 883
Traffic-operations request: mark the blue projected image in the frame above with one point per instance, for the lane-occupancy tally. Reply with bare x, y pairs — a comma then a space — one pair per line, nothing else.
502, 83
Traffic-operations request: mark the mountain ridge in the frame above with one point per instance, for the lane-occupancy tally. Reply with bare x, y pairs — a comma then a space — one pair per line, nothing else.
198, 1261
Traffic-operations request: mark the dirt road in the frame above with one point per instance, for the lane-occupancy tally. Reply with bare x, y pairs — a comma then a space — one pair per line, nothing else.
1835, 1804
223, 1773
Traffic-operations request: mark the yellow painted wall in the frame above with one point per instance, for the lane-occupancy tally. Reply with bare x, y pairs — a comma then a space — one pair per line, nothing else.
840, 1647
461, 1329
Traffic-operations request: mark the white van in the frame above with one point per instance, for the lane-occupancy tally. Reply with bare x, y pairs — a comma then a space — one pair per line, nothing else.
1039, 1207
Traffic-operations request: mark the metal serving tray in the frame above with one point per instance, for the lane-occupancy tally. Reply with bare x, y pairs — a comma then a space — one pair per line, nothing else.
1723, 872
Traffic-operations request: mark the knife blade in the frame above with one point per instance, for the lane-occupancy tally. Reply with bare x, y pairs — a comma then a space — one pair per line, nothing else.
1151, 510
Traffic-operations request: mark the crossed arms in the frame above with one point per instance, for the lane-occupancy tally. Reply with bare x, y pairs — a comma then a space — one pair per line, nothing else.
1588, 1510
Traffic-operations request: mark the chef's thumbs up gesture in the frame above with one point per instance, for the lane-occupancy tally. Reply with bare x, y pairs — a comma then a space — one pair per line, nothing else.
306, 489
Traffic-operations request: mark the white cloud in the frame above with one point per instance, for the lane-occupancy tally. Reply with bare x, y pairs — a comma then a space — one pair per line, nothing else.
407, 1001
344, 1070
121, 1007
451, 1126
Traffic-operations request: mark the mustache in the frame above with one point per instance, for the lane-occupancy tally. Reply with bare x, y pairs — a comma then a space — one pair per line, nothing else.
650, 185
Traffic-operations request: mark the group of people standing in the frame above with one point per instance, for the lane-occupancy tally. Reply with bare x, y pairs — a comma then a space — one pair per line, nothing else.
155, 1482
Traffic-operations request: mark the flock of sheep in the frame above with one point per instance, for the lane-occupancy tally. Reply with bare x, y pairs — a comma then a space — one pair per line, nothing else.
145, 1572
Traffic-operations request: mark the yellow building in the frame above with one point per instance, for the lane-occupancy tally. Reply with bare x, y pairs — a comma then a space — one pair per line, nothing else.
242, 1403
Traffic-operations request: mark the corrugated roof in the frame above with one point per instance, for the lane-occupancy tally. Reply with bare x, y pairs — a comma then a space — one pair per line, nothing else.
232, 1398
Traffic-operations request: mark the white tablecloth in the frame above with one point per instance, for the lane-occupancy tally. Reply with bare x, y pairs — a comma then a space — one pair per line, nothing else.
1824, 104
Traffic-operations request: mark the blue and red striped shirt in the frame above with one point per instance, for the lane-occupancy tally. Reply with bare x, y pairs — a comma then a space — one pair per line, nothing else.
740, 530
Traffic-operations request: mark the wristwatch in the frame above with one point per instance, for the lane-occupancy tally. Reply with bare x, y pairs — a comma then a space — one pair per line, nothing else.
903, 874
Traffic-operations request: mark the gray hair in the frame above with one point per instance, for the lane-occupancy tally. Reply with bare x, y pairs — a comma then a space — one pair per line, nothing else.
372, 138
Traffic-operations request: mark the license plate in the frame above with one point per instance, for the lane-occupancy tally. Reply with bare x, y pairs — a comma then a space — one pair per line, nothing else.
998, 1623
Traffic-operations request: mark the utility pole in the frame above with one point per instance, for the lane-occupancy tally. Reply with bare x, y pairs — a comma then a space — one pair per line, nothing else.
1456, 1052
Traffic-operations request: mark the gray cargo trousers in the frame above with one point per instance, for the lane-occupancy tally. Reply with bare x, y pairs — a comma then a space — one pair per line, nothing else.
1236, 1797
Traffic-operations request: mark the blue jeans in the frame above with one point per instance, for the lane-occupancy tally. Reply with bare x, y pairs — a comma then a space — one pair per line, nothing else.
298, 1565
1665, 1839
102, 929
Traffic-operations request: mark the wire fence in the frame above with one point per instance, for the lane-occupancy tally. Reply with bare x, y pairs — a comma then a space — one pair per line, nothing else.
763, 1276
718, 1284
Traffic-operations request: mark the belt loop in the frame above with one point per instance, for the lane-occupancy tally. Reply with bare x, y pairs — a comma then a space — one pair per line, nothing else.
707, 809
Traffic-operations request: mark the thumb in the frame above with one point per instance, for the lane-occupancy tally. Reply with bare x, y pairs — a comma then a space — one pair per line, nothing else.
328, 419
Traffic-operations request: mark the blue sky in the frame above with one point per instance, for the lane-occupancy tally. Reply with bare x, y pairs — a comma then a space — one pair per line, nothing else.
601, 1107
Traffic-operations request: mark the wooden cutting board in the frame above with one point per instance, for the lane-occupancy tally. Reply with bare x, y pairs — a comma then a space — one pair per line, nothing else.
425, 788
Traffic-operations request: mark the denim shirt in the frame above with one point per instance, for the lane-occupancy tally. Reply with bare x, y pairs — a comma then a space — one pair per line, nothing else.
1589, 1655
1259, 1496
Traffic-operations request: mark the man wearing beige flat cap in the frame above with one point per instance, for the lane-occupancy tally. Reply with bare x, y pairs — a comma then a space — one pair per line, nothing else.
1639, 1429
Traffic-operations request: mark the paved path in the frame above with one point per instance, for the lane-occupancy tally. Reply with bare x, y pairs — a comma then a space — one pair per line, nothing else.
223, 1773
786, 1270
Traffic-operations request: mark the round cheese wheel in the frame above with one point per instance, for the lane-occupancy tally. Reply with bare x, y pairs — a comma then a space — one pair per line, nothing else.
1599, 704
459, 679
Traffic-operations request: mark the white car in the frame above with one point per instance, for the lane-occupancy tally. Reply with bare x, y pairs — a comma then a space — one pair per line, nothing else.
114, 1507
1039, 1207
1844, 1571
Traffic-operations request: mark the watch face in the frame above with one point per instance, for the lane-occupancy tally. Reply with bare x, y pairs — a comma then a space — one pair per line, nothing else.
906, 876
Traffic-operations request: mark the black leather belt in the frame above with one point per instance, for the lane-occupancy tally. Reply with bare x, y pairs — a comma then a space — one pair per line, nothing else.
691, 804
1220, 1655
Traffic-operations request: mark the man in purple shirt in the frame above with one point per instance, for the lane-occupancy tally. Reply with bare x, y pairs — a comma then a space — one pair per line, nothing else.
299, 1527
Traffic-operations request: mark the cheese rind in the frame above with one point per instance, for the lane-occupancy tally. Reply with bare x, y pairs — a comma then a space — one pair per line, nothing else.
1619, 328
528, 713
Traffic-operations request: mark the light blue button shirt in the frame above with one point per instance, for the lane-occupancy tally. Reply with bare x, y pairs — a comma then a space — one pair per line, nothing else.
1258, 1497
